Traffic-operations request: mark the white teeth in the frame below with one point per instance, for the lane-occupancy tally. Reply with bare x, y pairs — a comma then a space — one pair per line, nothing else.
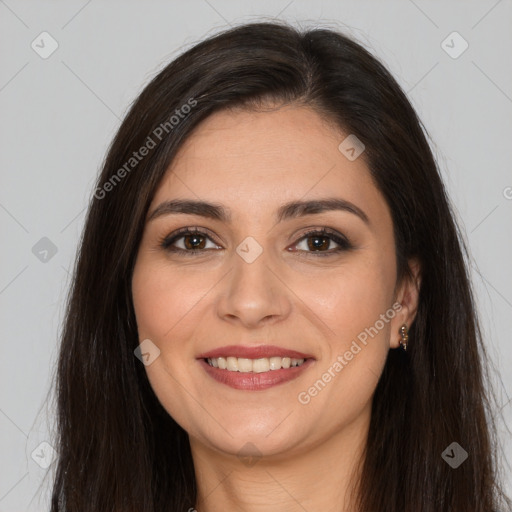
244, 365
261, 365
232, 364
275, 363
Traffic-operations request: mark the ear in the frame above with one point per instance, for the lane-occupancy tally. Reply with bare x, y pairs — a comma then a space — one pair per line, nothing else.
406, 295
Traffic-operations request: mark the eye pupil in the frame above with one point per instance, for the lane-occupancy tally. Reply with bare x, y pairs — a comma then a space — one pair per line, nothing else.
196, 240
316, 245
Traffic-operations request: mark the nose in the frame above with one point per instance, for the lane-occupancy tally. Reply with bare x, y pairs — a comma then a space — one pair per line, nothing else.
254, 294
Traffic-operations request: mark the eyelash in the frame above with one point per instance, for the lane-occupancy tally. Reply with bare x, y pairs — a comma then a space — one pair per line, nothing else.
344, 245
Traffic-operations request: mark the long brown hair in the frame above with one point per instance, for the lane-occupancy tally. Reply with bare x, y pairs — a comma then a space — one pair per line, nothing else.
119, 450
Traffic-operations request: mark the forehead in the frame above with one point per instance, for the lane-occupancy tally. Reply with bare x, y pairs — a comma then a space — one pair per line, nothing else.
255, 161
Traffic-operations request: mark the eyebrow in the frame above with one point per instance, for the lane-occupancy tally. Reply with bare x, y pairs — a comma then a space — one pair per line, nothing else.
290, 210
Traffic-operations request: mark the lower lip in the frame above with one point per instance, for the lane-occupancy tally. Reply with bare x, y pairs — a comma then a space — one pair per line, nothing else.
250, 381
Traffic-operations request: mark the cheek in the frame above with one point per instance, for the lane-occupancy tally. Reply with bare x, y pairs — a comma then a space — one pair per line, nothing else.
164, 307
352, 300
355, 304
163, 299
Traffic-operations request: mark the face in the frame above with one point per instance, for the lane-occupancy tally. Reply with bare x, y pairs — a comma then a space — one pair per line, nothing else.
248, 283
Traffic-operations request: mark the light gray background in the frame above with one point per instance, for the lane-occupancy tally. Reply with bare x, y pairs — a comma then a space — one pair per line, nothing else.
60, 113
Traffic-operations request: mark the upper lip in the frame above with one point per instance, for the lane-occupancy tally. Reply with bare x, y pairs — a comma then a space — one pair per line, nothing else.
258, 352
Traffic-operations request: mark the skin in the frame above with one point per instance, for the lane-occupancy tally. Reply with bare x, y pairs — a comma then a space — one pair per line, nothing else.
253, 162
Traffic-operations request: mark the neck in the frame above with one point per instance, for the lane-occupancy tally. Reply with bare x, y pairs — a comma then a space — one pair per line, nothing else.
321, 477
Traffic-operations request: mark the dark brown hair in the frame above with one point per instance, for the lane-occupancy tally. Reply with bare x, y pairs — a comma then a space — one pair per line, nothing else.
119, 450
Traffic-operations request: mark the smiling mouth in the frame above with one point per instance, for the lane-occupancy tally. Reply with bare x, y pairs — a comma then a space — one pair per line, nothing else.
244, 365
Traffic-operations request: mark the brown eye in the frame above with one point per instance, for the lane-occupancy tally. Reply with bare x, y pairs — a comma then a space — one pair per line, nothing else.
317, 243
194, 241
320, 242
188, 241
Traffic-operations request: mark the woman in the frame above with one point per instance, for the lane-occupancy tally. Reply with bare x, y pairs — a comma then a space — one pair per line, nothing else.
270, 307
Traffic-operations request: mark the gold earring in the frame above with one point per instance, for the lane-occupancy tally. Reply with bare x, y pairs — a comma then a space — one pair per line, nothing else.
404, 336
